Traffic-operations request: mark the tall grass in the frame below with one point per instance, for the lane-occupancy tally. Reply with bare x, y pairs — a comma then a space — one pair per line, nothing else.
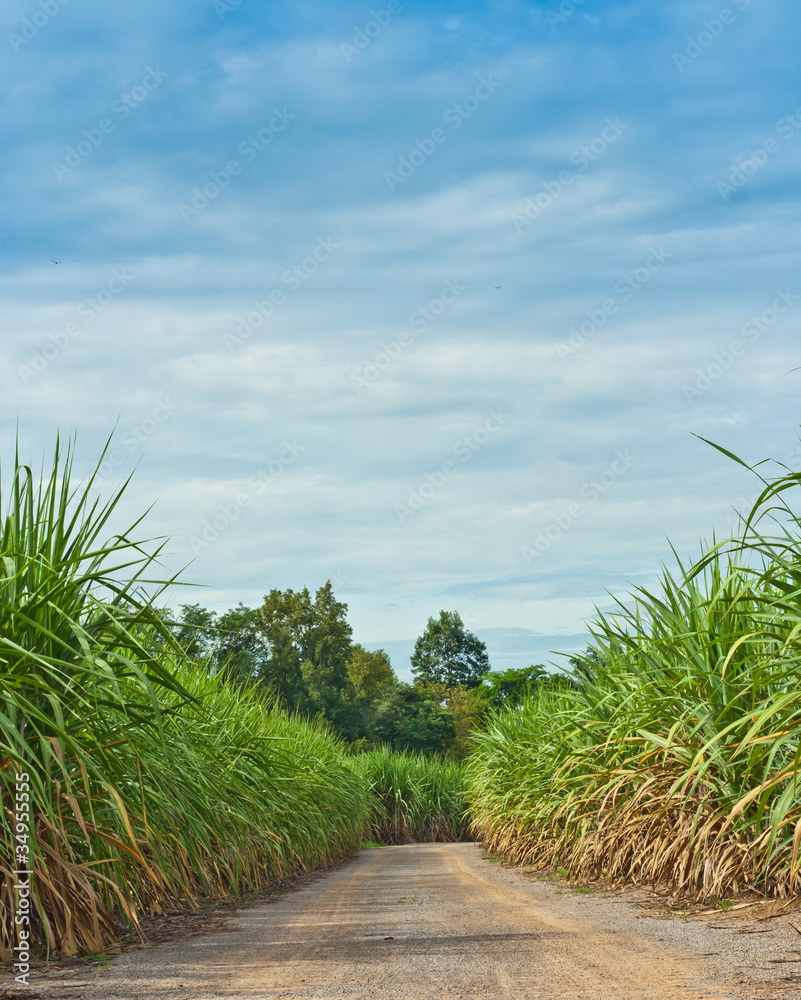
678, 765
417, 798
151, 780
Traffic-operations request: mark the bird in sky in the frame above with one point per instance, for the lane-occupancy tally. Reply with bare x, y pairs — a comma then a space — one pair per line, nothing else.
499, 286
56, 261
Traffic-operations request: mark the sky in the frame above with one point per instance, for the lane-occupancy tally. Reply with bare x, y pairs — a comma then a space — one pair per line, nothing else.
434, 300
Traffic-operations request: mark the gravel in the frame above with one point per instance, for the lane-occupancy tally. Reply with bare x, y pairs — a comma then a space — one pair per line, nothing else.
433, 921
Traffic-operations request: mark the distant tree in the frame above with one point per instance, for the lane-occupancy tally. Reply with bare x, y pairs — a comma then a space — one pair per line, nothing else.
227, 641
466, 706
194, 630
509, 688
240, 647
408, 718
370, 676
309, 643
557, 682
369, 673
326, 653
587, 667
282, 621
446, 653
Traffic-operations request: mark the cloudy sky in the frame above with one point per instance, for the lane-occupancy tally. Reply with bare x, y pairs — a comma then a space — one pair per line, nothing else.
425, 298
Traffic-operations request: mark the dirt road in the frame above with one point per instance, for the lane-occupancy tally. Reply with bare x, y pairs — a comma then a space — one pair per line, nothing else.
425, 922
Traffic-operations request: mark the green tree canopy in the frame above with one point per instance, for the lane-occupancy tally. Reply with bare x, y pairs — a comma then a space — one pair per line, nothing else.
509, 688
230, 641
587, 667
309, 643
370, 676
369, 673
408, 718
240, 648
446, 653
194, 629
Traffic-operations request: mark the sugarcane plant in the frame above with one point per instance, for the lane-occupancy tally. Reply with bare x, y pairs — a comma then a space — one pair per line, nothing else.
152, 780
672, 760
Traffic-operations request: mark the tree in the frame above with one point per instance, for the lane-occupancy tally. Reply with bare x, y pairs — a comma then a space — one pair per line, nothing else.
408, 718
194, 630
466, 706
587, 667
309, 644
240, 648
509, 688
369, 673
282, 621
446, 653
230, 641
326, 652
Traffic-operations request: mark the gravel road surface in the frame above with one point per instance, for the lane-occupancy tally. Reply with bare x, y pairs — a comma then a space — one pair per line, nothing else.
434, 921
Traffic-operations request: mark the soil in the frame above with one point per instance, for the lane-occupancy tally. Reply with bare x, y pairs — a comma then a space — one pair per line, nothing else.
433, 921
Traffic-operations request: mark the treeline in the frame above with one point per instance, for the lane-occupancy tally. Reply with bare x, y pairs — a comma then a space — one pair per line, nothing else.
298, 649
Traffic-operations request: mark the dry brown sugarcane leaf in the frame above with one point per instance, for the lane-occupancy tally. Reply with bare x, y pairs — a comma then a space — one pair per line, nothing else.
794, 856
780, 912
124, 813
111, 839
76, 809
58, 749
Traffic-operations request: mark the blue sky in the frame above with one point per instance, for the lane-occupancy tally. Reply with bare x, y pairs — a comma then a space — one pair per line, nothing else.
425, 298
